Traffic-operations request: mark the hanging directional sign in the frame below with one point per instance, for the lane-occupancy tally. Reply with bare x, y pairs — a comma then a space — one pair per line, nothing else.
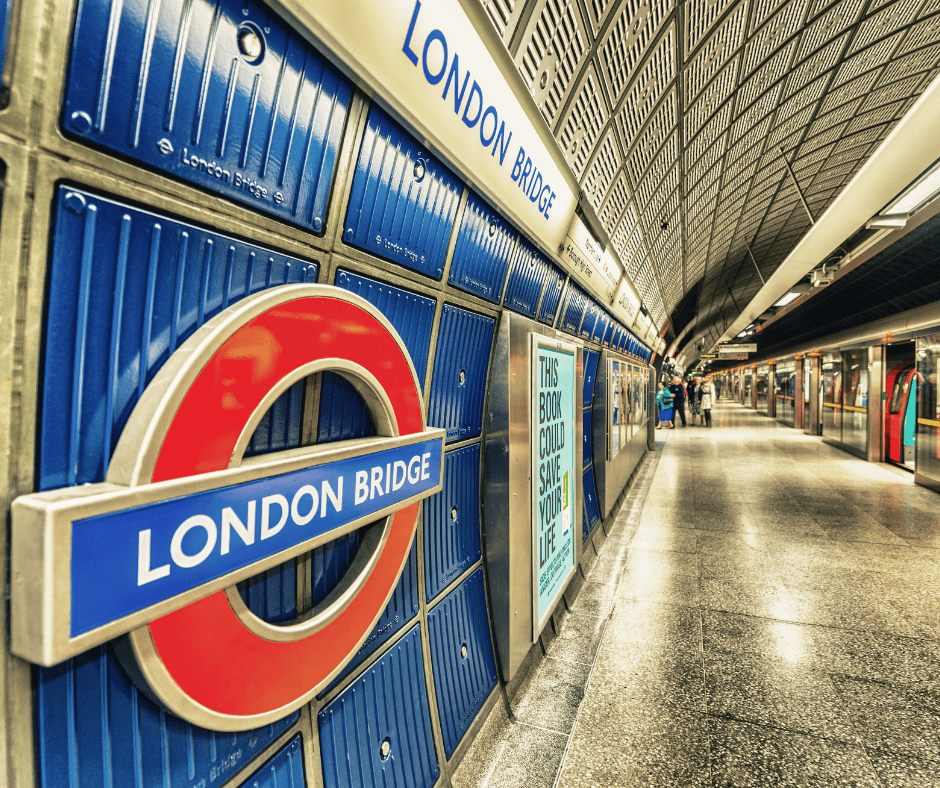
154, 552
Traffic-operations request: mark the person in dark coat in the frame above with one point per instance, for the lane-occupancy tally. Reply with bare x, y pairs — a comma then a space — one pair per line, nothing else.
678, 397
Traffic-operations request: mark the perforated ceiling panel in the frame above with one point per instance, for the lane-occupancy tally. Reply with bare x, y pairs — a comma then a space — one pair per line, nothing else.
677, 117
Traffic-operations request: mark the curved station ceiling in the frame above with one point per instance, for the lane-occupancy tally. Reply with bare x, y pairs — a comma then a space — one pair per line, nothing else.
710, 135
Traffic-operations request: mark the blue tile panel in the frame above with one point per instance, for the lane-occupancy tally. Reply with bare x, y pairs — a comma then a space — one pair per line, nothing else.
591, 313
458, 383
574, 309
590, 371
5, 9
554, 284
587, 442
388, 703
166, 85
462, 658
272, 595
411, 315
401, 608
589, 494
611, 327
285, 769
528, 275
125, 288
343, 413
452, 521
481, 255
280, 428
96, 730
403, 200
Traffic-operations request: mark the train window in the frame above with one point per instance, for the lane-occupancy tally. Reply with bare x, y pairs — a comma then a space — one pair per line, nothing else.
897, 393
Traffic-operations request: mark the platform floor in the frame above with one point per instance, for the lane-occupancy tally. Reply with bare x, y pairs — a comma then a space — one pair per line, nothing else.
765, 612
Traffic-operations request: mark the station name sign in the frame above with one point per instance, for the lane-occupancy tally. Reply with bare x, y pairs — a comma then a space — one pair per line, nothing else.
428, 62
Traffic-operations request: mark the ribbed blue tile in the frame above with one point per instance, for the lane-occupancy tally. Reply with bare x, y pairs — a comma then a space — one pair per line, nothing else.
388, 703
591, 314
587, 441
167, 85
462, 658
95, 729
554, 284
609, 329
125, 287
272, 595
481, 255
343, 412
526, 278
401, 609
284, 769
411, 315
574, 307
458, 383
403, 200
589, 494
280, 428
590, 370
452, 521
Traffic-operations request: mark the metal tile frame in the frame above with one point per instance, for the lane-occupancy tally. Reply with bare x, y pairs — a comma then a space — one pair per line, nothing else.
51, 138
27, 26
16, 717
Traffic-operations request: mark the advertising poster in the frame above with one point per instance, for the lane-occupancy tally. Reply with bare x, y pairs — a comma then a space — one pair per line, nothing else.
553, 471
613, 432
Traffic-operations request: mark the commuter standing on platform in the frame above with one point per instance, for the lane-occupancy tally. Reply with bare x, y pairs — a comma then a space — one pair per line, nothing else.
695, 394
717, 384
664, 407
708, 395
678, 395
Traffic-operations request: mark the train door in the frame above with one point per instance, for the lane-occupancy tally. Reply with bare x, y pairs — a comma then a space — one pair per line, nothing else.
901, 414
812, 396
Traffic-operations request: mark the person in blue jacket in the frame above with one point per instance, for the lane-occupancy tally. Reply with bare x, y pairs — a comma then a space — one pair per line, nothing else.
664, 406
678, 395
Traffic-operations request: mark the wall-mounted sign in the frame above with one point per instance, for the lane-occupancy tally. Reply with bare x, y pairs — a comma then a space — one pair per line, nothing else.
554, 514
733, 356
583, 255
427, 61
627, 303
155, 551
738, 347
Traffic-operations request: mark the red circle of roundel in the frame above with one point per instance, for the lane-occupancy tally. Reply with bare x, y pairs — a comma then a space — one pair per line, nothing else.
205, 648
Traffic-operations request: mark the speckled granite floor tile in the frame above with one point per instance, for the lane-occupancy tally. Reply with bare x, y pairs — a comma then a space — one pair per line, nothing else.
524, 757
550, 697
595, 599
579, 638
665, 538
622, 744
750, 756
898, 771
607, 569
642, 559
892, 718
761, 691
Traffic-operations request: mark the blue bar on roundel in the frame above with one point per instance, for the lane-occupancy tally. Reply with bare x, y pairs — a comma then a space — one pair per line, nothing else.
127, 561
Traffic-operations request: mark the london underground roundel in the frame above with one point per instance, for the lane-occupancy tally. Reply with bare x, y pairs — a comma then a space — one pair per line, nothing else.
153, 554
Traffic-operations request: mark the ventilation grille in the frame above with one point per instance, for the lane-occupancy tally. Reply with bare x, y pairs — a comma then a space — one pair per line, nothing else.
616, 202
706, 163
605, 165
829, 25
846, 93
755, 112
653, 80
700, 16
658, 170
626, 39
716, 52
583, 123
503, 14
866, 60
773, 35
555, 43
921, 35
711, 99
884, 23
665, 119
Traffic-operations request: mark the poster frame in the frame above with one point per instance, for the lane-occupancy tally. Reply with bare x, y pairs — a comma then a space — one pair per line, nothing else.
552, 343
